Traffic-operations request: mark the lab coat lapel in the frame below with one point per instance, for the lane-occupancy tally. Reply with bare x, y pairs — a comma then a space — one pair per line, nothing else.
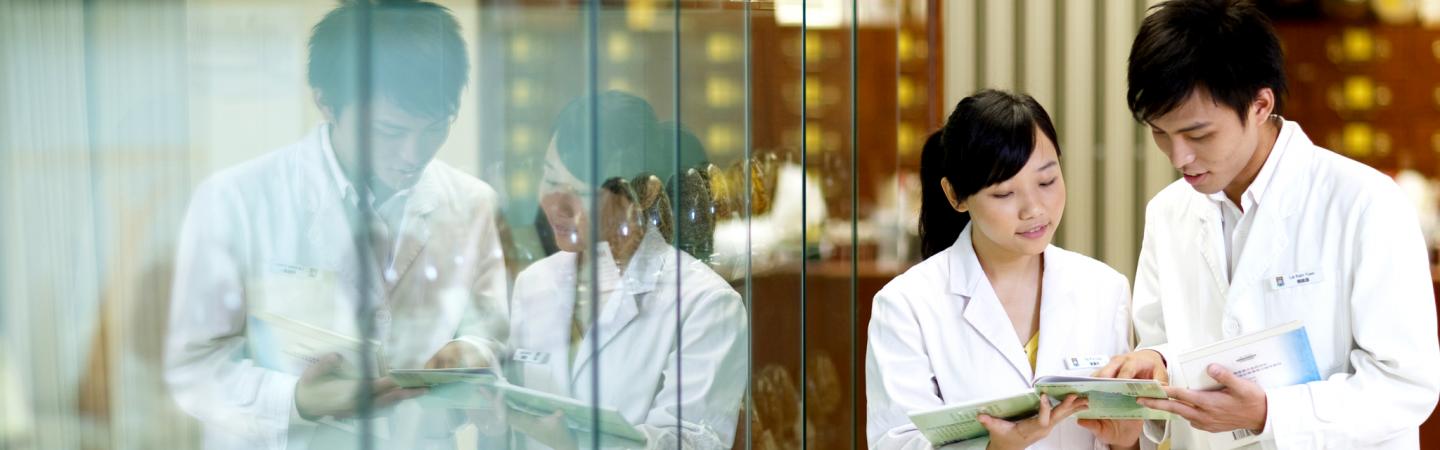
415, 232
637, 283
330, 229
1212, 242
1268, 236
1057, 312
983, 311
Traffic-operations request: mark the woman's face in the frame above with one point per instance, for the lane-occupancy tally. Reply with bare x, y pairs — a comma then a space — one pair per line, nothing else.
566, 200
1018, 216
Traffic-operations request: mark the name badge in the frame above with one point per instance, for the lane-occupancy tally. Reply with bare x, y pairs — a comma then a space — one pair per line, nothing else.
294, 270
1086, 362
1279, 282
531, 356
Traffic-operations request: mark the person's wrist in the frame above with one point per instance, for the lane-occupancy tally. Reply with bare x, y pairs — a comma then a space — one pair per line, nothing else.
1263, 414
300, 404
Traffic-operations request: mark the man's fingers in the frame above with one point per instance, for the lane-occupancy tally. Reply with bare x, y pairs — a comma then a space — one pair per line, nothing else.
436, 362
1227, 378
1185, 395
1110, 369
1093, 425
389, 399
383, 384
1136, 368
1169, 406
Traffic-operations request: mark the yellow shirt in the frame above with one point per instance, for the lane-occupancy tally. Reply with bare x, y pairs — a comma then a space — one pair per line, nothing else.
1032, 348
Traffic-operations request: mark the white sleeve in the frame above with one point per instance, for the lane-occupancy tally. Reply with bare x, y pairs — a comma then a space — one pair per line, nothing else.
898, 376
1149, 316
1146, 308
485, 320
712, 354
207, 367
1392, 387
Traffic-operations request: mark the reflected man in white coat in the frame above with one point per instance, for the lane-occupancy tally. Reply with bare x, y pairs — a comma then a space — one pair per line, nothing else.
1264, 229
352, 232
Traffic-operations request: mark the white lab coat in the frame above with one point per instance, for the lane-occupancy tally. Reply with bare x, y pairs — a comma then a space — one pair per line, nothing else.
672, 380
1370, 317
276, 234
939, 335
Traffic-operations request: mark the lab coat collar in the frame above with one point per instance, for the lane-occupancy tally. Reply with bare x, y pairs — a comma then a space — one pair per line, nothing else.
1268, 235
1256, 191
328, 189
983, 311
1294, 154
422, 198
649, 263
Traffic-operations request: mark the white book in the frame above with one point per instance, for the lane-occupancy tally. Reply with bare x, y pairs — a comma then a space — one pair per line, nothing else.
1109, 398
1274, 357
289, 345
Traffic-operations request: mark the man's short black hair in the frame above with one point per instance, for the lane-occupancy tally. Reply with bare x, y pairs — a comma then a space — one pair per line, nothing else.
417, 59
1224, 46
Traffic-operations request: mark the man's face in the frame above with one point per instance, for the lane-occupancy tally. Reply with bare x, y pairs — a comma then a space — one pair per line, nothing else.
401, 143
1206, 141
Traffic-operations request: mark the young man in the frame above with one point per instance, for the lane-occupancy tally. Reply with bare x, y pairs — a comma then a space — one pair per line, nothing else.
353, 231
1260, 202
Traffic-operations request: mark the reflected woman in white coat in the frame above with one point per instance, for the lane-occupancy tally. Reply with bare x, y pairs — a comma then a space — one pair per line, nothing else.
618, 313
993, 306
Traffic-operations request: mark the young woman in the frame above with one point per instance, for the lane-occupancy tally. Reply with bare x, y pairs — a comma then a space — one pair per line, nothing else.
619, 298
994, 305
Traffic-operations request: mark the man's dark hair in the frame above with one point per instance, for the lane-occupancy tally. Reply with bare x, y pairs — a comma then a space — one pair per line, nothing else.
417, 57
1224, 46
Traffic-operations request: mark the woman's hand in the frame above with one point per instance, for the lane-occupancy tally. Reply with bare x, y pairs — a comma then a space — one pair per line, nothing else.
1118, 434
1005, 435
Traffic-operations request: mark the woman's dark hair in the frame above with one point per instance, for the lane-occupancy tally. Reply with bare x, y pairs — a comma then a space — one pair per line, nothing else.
632, 147
1224, 46
987, 140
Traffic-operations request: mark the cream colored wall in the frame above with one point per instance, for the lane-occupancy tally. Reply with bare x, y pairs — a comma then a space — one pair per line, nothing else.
1111, 166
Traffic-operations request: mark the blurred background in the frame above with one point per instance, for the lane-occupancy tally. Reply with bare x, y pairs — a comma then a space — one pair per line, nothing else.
805, 117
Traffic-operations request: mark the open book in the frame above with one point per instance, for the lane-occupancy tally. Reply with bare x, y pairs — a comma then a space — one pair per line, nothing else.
410, 378
581, 416
1278, 356
1109, 399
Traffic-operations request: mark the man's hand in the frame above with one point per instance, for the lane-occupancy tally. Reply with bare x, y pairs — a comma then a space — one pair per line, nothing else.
459, 355
1142, 364
1118, 434
1006, 435
324, 391
1241, 404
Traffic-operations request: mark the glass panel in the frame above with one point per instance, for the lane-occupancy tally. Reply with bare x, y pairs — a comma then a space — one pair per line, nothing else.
460, 224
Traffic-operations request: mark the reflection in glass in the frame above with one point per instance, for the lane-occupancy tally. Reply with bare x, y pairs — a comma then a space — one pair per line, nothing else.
306, 274
655, 336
